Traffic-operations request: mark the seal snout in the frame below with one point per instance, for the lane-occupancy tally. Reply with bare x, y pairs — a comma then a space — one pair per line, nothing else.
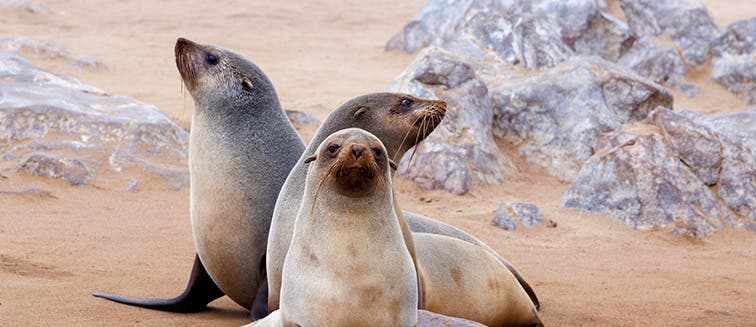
184, 60
356, 170
357, 150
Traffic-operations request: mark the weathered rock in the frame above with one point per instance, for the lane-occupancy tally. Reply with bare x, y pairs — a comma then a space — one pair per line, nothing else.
605, 36
71, 170
734, 59
538, 33
50, 49
525, 39
461, 150
655, 173
510, 213
427, 318
41, 112
737, 181
555, 115
650, 58
687, 23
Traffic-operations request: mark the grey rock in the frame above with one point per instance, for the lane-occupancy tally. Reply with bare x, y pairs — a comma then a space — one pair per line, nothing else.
42, 112
537, 33
734, 59
71, 170
300, 117
525, 39
509, 214
427, 318
655, 173
555, 115
737, 182
50, 49
132, 187
461, 151
660, 62
606, 37
687, 23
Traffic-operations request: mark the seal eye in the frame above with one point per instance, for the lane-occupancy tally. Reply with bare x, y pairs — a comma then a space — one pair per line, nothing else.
377, 152
211, 59
405, 102
332, 149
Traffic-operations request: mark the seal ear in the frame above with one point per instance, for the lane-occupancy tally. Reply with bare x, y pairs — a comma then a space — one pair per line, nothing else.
246, 83
360, 111
392, 164
311, 158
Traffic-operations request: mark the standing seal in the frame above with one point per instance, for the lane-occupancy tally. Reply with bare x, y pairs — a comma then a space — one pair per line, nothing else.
241, 148
400, 121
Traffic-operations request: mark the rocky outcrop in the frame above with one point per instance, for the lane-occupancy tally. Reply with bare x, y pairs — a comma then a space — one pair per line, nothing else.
461, 150
552, 115
669, 171
509, 214
651, 58
688, 23
539, 33
57, 127
734, 62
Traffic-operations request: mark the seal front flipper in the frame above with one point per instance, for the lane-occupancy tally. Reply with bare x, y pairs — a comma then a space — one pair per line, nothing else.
200, 291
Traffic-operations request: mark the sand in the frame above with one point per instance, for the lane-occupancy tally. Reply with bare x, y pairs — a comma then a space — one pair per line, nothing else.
55, 250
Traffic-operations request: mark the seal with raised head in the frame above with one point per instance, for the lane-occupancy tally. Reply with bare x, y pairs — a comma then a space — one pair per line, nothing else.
400, 121
241, 149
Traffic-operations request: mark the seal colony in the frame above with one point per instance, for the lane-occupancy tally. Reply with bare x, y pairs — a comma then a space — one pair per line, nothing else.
242, 148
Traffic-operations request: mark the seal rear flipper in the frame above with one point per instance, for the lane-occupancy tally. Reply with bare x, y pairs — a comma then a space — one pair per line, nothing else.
200, 291
260, 305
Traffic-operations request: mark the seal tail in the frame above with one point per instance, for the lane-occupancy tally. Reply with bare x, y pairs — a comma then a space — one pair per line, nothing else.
200, 291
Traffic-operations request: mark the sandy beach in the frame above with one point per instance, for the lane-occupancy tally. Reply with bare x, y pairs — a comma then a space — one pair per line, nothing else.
56, 250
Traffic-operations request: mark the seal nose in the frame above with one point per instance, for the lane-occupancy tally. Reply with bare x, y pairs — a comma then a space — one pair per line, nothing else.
357, 150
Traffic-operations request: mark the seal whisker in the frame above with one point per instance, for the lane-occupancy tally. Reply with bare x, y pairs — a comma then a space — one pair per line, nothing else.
405, 137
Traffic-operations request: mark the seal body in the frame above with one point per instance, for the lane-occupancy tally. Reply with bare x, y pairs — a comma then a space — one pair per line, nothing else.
241, 148
347, 263
466, 281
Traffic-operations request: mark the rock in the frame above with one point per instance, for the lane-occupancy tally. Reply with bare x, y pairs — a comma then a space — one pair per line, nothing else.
427, 318
686, 22
554, 116
509, 214
71, 170
660, 62
62, 119
50, 49
655, 173
525, 39
300, 117
461, 150
737, 181
734, 59
538, 33
606, 37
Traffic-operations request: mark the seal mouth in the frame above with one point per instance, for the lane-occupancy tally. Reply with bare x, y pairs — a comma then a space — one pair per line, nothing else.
355, 172
184, 62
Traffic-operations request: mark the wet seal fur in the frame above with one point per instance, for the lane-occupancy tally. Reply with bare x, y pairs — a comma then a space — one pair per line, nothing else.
241, 149
400, 121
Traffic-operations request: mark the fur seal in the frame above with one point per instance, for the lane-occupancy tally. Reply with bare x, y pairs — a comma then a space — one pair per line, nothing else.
347, 263
466, 281
400, 121
241, 149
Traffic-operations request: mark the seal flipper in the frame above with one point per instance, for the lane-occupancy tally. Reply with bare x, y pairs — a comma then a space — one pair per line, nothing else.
200, 291
260, 304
